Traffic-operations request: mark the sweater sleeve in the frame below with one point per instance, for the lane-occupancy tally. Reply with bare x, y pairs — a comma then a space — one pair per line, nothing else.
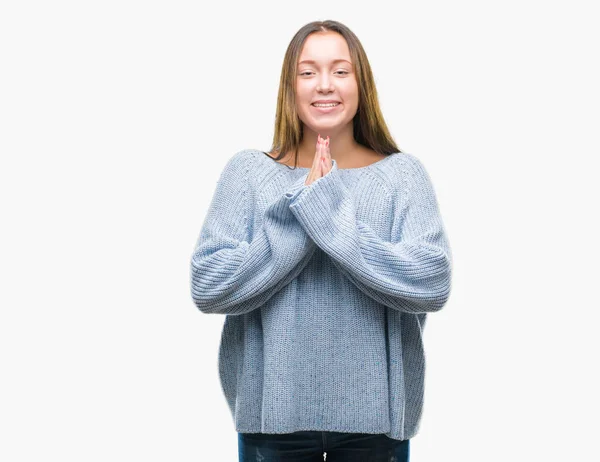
412, 271
236, 267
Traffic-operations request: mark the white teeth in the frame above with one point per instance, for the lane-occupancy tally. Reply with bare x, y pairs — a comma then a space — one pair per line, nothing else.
325, 105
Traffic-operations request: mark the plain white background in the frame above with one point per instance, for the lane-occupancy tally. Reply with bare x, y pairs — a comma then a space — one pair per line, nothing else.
117, 118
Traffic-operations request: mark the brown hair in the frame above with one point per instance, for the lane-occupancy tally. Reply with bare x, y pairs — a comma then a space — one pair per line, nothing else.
370, 129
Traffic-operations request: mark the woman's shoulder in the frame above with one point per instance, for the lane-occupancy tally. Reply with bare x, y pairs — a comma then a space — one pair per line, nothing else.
407, 163
414, 174
240, 161
243, 156
255, 158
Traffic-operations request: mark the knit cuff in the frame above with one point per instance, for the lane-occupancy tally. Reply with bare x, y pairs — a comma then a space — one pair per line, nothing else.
298, 187
316, 203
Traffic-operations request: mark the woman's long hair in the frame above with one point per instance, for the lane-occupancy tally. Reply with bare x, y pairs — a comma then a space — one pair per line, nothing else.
370, 129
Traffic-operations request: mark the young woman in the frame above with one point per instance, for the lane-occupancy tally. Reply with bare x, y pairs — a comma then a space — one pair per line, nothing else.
326, 255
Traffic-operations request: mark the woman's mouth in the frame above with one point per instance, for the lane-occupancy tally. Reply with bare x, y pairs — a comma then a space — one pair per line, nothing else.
325, 107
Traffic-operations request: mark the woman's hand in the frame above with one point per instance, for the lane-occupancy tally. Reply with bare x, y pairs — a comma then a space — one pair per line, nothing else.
321, 162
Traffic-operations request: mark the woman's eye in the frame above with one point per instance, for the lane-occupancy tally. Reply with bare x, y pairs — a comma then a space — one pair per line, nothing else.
308, 72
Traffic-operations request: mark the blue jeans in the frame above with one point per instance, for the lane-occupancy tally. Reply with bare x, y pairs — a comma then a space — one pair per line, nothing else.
309, 446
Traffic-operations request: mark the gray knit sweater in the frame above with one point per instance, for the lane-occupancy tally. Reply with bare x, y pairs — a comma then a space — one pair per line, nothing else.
326, 290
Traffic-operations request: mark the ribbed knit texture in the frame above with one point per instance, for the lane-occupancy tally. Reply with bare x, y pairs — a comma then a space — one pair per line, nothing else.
326, 289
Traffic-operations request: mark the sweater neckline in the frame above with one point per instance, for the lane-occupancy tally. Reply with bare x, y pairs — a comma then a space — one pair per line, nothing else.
306, 169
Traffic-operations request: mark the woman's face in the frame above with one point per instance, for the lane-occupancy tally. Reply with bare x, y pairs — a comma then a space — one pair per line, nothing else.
328, 75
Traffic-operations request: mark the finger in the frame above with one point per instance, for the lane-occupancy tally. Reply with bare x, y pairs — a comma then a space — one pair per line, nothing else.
323, 156
328, 153
315, 165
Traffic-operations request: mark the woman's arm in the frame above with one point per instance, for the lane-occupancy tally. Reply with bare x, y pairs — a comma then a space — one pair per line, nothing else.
410, 273
232, 273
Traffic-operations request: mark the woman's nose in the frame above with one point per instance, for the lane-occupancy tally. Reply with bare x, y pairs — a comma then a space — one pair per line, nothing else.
324, 84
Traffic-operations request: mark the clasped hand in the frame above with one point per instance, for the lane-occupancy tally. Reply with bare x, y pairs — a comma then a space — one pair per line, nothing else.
321, 162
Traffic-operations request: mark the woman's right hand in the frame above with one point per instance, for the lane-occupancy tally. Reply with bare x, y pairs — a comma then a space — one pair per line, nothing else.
316, 170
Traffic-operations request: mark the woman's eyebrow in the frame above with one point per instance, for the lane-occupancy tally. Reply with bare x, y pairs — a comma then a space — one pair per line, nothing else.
310, 61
